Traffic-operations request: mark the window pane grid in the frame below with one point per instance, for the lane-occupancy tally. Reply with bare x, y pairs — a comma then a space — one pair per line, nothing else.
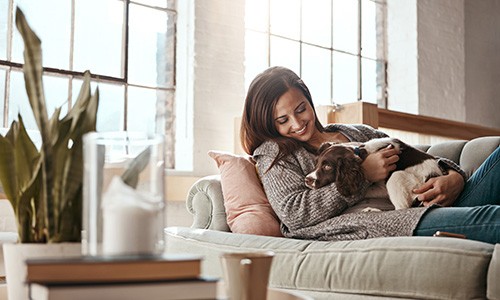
354, 37
81, 39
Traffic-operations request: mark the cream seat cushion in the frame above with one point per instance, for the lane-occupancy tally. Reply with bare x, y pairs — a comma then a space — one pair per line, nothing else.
389, 267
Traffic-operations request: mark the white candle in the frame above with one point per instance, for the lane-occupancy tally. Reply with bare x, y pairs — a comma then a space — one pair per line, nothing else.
130, 224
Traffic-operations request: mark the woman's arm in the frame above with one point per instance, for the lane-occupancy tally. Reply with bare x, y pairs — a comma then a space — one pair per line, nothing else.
443, 190
377, 166
296, 205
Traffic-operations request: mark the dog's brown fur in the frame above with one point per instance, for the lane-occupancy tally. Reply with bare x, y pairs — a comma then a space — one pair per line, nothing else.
341, 163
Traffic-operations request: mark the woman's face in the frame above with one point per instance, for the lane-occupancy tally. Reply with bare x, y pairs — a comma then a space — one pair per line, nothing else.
294, 116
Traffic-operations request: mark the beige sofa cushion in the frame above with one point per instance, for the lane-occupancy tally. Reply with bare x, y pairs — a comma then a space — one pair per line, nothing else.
388, 267
494, 275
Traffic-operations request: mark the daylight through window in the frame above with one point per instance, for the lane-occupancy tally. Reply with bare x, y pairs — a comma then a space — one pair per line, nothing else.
128, 46
335, 46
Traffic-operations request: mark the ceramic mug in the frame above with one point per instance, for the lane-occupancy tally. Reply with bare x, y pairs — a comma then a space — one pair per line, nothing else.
246, 274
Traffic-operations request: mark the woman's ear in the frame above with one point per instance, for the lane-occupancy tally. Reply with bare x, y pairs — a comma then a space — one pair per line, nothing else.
349, 176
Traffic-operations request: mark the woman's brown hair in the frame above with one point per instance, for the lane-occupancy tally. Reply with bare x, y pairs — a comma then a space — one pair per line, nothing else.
257, 124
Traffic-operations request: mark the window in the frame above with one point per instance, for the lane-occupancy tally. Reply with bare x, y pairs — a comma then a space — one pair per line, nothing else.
128, 46
335, 46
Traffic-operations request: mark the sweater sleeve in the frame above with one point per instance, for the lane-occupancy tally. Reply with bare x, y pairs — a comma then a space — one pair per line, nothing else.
296, 205
448, 164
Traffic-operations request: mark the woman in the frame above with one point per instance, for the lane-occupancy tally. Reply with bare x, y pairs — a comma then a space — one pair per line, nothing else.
280, 129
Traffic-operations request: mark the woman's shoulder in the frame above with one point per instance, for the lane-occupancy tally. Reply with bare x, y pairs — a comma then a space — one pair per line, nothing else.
348, 127
267, 148
271, 149
356, 132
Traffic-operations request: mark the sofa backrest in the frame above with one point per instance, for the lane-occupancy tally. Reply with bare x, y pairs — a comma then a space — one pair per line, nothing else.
468, 154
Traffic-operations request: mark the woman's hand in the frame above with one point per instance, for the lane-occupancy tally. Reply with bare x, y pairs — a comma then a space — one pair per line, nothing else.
378, 165
442, 190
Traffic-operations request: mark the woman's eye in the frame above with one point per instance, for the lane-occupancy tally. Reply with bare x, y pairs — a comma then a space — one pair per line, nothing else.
301, 109
282, 121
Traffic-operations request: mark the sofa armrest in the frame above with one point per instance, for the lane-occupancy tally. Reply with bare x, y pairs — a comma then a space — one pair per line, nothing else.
206, 203
476, 151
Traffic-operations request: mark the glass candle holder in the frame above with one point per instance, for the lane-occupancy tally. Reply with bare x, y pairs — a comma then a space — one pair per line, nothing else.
123, 194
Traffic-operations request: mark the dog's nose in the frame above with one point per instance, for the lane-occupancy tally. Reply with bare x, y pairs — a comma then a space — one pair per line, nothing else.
310, 182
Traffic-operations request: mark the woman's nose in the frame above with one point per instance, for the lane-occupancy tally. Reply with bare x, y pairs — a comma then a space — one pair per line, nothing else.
296, 124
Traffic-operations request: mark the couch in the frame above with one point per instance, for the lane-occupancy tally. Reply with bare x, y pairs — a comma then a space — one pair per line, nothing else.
381, 268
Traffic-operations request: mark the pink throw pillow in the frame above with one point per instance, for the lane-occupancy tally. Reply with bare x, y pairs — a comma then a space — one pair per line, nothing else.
247, 208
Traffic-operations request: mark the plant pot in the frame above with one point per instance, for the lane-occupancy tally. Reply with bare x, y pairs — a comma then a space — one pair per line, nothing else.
15, 267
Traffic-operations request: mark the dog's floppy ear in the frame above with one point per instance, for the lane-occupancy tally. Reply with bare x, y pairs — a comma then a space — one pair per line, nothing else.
363, 153
349, 176
324, 146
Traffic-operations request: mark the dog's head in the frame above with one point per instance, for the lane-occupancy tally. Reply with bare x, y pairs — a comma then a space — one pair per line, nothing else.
339, 163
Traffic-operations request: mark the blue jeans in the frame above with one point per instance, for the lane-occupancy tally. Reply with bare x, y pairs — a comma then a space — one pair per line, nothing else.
476, 212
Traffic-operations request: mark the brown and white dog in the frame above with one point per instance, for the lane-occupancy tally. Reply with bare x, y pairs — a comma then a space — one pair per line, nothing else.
341, 163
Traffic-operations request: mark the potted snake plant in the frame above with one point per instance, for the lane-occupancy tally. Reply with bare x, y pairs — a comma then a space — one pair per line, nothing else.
44, 186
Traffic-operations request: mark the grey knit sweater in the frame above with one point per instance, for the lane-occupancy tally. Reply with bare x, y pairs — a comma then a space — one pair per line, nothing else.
324, 214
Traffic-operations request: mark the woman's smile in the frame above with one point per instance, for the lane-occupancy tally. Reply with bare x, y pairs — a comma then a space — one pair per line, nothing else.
294, 116
301, 130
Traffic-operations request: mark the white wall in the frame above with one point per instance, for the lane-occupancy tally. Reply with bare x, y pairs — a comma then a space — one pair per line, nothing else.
443, 56
482, 64
216, 72
402, 56
443, 59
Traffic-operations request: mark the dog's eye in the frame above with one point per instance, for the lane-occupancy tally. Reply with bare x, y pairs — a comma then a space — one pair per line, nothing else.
327, 167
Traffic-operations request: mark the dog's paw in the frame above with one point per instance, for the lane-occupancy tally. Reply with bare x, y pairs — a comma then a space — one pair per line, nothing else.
369, 209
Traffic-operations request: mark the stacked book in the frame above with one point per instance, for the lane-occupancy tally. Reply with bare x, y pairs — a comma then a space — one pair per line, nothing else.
119, 277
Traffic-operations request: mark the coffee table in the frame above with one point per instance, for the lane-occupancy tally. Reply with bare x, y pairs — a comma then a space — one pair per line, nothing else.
272, 293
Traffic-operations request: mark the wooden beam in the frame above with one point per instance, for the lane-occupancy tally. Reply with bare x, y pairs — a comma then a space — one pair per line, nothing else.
356, 113
368, 113
432, 126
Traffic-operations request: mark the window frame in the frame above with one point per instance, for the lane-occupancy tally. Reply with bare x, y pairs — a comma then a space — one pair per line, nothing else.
162, 120
380, 60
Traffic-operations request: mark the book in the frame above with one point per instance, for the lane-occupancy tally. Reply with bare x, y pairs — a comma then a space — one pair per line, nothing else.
113, 268
200, 288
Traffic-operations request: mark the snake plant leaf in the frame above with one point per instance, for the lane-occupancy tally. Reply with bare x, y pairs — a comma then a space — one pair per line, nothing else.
18, 164
30, 212
70, 221
54, 126
91, 112
60, 131
26, 153
79, 120
8, 170
138, 164
33, 74
86, 108
82, 101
